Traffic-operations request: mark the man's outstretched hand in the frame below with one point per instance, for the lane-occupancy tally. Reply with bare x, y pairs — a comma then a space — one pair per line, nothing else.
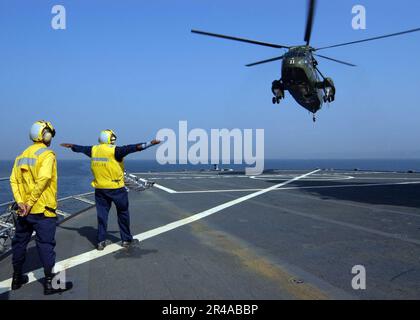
67, 145
154, 142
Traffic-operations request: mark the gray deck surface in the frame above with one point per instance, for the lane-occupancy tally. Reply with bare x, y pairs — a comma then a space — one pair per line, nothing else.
297, 242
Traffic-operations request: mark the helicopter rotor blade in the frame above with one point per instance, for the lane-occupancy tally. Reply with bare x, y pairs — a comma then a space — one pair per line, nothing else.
370, 39
264, 61
310, 21
335, 60
266, 44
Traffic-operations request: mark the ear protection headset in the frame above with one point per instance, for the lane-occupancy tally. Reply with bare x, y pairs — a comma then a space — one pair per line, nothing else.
107, 137
42, 131
49, 132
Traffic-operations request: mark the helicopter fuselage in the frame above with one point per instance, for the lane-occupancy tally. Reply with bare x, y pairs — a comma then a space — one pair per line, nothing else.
301, 79
300, 75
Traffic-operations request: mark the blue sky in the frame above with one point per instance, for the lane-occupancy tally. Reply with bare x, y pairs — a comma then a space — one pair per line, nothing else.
135, 67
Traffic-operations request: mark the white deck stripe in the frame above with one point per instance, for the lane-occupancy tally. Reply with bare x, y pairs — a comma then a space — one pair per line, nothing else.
95, 254
298, 188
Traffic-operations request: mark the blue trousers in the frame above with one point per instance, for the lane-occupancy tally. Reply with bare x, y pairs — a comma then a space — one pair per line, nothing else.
104, 199
45, 240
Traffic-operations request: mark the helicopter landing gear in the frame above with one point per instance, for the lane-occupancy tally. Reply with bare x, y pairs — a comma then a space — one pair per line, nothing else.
278, 90
275, 100
328, 87
329, 96
329, 90
314, 118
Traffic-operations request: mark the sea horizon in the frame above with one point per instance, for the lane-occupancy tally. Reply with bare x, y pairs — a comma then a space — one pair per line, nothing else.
385, 164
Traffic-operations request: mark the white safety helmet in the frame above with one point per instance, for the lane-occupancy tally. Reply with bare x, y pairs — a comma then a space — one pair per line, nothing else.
107, 137
42, 131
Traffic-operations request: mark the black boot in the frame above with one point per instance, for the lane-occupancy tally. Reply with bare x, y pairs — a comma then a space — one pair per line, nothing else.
19, 280
101, 245
129, 244
48, 285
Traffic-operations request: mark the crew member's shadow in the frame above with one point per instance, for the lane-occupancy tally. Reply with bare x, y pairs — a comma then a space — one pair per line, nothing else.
135, 251
90, 233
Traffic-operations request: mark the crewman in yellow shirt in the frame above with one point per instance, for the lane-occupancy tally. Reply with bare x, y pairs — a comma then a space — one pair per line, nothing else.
34, 185
107, 164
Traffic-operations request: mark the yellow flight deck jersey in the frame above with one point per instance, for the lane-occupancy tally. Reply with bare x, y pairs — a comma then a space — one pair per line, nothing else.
34, 179
108, 173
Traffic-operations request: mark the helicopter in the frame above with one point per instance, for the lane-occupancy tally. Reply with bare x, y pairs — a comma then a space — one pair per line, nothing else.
300, 74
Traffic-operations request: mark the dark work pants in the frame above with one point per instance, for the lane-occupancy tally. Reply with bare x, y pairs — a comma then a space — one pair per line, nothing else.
45, 240
104, 199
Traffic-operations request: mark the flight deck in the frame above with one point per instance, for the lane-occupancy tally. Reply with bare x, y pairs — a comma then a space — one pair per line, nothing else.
224, 235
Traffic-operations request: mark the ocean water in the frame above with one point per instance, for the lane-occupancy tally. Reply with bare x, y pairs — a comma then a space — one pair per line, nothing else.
75, 175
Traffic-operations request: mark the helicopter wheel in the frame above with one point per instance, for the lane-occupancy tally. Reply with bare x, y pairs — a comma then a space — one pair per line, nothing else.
274, 100
314, 118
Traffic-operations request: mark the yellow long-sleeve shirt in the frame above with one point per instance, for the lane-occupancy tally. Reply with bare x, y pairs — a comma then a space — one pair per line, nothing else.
34, 179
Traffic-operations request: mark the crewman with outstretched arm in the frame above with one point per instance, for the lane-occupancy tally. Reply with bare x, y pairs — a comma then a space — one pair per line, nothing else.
107, 164
34, 185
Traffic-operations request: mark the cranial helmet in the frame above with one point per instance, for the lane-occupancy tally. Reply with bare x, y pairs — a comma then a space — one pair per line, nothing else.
107, 137
42, 131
